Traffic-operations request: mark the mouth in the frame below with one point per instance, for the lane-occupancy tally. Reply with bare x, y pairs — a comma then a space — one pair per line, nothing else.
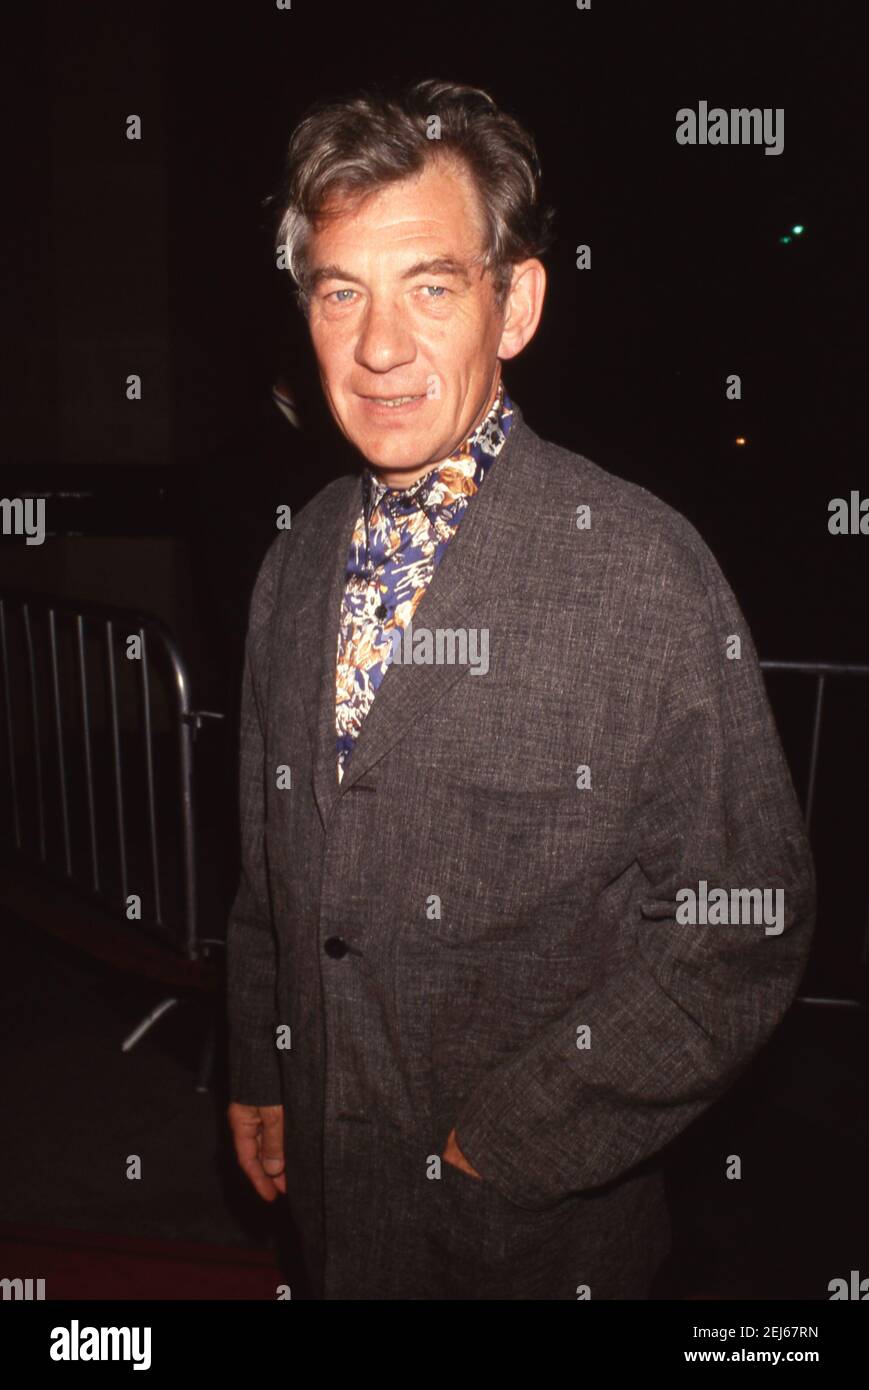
392, 405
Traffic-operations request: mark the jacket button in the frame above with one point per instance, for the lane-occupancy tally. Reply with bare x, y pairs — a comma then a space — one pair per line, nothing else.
336, 947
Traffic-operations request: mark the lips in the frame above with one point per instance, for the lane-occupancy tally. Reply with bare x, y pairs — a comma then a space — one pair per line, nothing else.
395, 408
395, 400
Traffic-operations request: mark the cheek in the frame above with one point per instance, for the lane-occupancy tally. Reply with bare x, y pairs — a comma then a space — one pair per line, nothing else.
333, 348
453, 345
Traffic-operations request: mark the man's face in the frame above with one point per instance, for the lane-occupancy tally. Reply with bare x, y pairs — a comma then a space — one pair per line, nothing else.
399, 307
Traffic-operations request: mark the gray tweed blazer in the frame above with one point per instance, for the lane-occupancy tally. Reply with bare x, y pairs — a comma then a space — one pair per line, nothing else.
479, 927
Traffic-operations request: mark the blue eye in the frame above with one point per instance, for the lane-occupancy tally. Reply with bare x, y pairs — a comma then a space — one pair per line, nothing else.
343, 301
440, 290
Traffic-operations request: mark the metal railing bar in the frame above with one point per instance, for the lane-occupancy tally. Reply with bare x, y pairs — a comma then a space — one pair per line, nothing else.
117, 760
61, 751
185, 751
10, 733
149, 775
88, 756
813, 756
831, 1003
817, 668
37, 753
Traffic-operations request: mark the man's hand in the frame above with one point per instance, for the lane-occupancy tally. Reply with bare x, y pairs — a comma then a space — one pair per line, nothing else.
453, 1154
258, 1135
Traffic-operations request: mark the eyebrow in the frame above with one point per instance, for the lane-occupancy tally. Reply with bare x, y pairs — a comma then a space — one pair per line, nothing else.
439, 265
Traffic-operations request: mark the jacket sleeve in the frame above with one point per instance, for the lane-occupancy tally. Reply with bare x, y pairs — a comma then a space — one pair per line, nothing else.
682, 1008
254, 1071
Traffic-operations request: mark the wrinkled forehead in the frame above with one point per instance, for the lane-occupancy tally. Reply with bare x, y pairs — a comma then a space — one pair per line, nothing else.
439, 206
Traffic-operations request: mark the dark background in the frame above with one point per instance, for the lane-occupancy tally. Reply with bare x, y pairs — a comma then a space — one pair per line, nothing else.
156, 257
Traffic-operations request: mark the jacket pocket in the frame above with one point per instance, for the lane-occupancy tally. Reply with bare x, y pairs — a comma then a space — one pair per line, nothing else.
508, 866
487, 1246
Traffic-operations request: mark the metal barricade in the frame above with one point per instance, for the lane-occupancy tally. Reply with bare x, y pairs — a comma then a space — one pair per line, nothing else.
821, 672
66, 731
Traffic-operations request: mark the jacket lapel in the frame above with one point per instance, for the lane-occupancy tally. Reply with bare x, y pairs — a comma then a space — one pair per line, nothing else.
457, 597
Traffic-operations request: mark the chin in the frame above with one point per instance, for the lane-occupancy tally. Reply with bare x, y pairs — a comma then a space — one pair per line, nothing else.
394, 460
392, 453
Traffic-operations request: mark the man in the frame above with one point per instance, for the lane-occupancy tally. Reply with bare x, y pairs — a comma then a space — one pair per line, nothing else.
470, 1000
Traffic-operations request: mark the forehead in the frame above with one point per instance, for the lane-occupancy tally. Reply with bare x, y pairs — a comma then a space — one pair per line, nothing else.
436, 209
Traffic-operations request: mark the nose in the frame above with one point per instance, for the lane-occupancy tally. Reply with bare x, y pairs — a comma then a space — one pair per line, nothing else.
385, 340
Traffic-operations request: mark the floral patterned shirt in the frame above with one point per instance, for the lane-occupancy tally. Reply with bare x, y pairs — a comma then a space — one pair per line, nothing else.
399, 538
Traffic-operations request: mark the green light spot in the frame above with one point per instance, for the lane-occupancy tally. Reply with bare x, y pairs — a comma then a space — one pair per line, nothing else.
798, 229
784, 240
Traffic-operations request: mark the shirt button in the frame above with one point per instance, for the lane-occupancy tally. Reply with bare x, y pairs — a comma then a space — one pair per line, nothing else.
336, 947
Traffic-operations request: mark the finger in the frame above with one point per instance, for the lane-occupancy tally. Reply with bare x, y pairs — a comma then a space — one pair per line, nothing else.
271, 1145
271, 1139
248, 1162
246, 1129
264, 1185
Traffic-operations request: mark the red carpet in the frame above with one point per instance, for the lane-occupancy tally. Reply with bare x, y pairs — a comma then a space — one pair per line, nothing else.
78, 1264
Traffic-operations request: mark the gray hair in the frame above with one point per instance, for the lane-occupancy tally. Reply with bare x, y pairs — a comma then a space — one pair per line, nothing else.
353, 146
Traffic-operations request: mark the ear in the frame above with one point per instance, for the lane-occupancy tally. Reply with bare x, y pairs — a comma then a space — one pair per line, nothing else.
523, 307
